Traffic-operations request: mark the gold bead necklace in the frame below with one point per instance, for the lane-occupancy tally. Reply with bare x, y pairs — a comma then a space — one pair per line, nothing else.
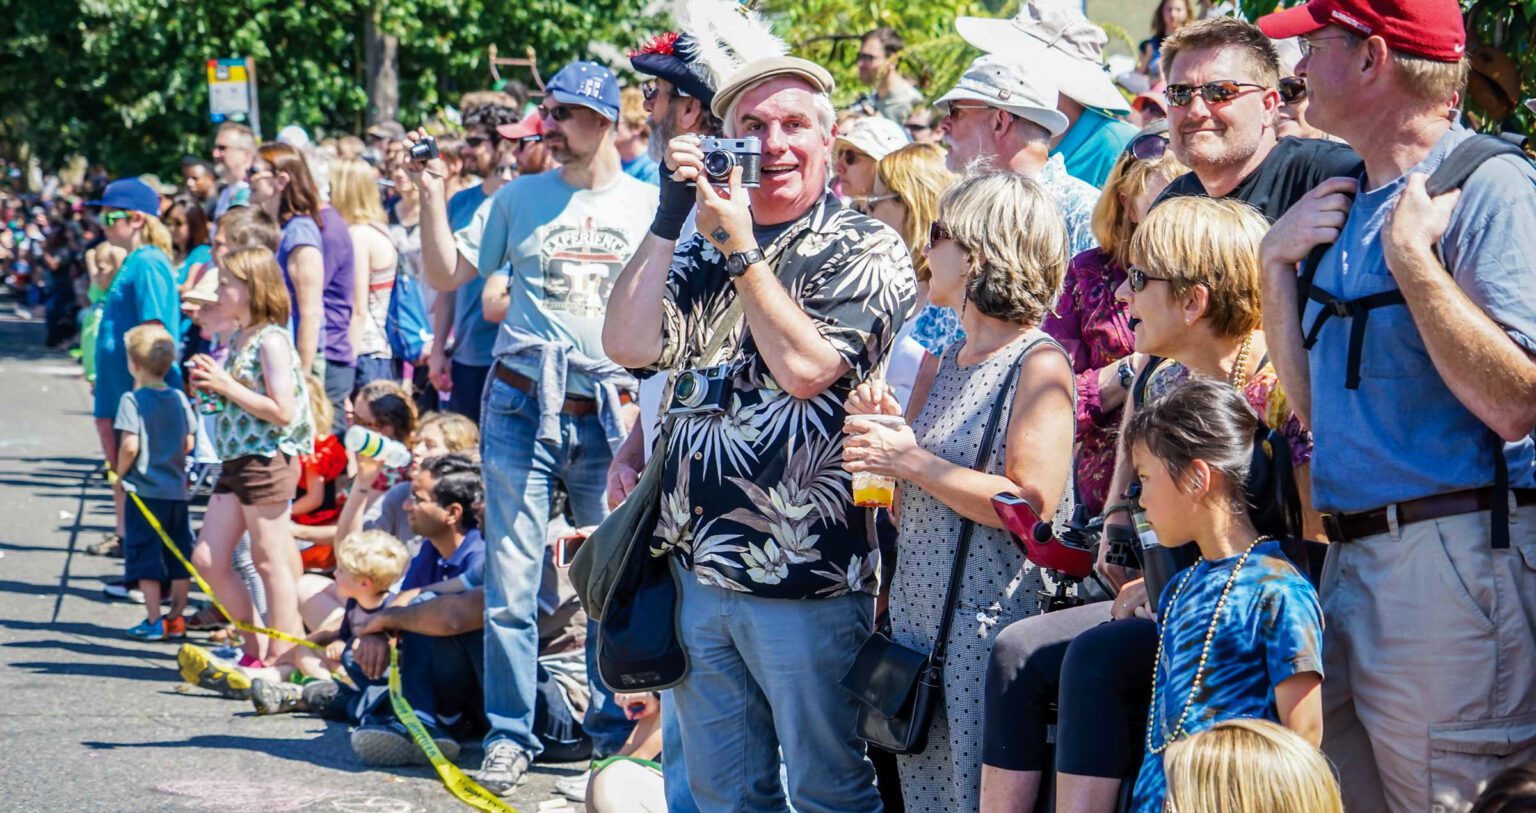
1205, 652
1239, 375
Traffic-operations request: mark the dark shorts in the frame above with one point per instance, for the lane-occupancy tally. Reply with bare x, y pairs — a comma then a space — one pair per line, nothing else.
144, 554
257, 480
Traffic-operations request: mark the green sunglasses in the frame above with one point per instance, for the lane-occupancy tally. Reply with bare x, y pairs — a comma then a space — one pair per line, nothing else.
111, 218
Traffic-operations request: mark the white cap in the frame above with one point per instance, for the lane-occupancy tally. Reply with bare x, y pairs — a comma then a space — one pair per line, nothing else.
1008, 84
1054, 37
875, 136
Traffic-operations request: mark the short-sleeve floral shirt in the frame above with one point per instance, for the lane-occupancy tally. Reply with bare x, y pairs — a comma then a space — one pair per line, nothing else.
755, 499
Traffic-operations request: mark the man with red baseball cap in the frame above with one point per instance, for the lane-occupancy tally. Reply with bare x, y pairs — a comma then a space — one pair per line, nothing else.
1421, 414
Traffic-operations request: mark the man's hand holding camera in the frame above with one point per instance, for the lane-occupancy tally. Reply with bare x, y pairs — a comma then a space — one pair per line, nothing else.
427, 174
725, 220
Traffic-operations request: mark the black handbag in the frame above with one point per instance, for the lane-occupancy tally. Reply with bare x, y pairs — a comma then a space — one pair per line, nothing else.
897, 686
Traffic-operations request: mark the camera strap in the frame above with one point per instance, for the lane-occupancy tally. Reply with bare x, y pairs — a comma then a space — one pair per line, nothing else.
717, 338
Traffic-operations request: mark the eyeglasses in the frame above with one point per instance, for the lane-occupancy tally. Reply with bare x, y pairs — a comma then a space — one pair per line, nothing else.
950, 110
218, 148
1293, 88
914, 128
938, 231
560, 113
1307, 46
1148, 147
1219, 92
256, 172
864, 204
1140, 278
865, 58
851, 156
474, 142
111, 218
650, 89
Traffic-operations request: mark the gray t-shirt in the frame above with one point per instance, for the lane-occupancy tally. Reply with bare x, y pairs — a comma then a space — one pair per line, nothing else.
163, 419
388, 512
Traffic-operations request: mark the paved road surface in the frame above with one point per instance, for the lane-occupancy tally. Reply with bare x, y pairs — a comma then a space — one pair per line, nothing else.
92, 720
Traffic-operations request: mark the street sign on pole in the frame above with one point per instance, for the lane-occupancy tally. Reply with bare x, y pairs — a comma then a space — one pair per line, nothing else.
232, 91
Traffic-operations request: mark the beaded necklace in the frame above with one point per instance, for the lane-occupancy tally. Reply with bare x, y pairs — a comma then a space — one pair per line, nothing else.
1239, 375
1205, 652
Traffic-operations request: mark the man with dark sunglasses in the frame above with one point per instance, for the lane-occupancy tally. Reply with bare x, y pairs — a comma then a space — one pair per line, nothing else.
1421, 414
1223, 101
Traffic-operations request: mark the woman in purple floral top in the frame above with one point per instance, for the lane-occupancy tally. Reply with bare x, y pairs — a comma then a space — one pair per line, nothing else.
1091, 324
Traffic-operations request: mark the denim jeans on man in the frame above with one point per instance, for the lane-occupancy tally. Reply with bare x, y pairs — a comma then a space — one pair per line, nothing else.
519, 473
759, 686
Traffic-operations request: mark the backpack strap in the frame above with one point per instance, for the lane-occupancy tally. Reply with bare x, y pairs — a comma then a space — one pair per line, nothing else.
1143, 379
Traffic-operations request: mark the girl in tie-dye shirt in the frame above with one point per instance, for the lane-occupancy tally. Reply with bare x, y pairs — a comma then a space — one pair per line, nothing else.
1240, 631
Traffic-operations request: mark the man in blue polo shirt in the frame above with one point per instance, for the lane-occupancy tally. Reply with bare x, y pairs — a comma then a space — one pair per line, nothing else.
1057, 40
1421, 414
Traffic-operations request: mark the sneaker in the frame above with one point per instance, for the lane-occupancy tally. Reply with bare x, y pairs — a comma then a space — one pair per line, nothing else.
145, 631
574, 787
176, 627
122, 592
110, 545
276, 697
200, 668
325, 699
207, 619
505, 767
382, 746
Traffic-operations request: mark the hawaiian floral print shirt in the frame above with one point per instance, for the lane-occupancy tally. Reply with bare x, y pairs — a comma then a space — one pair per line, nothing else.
755, 499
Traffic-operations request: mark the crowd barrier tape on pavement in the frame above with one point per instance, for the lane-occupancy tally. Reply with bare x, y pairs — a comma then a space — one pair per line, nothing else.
165, 539
462, 787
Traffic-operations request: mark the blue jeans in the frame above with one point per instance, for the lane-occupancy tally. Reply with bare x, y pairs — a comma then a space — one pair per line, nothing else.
519, 472
674, 769
605, 722
764, 678
468, 388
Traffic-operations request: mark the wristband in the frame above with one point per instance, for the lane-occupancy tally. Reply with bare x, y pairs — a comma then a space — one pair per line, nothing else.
672, 209
1117, 507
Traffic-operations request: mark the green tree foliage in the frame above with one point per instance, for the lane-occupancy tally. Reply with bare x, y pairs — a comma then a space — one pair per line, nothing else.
123, 81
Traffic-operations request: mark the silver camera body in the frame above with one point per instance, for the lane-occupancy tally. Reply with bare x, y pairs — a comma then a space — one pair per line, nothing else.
721, 155
703, 391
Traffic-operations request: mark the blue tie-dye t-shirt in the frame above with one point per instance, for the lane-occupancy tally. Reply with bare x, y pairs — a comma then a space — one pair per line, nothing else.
1271, 628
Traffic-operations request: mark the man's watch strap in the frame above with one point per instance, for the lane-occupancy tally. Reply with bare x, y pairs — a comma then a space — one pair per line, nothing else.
738, 263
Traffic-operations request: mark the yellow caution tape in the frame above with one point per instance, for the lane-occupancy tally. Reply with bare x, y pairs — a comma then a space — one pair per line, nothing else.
462, 787
203, 585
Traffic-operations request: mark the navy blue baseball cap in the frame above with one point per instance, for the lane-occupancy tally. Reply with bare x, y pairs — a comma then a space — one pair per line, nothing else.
131, 194
589, 85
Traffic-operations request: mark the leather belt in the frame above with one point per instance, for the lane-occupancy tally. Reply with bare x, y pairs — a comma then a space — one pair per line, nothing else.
575, 405
1348, 527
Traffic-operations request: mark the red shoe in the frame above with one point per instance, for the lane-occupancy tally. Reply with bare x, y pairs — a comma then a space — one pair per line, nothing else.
176, 627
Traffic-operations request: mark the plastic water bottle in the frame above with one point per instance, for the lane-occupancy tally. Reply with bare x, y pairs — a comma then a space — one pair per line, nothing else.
368, 443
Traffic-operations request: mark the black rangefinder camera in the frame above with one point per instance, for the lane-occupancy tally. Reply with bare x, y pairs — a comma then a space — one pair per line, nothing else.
424, 150
704, 391
721, 155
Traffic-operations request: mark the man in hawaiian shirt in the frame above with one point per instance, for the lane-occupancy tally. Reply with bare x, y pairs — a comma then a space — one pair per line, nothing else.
779, 572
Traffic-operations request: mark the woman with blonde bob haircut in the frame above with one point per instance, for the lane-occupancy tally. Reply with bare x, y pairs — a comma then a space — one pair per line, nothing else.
1249, 766
997, 254
908, 184
355, 194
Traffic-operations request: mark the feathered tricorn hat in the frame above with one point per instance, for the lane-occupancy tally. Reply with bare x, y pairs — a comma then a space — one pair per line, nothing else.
714, 39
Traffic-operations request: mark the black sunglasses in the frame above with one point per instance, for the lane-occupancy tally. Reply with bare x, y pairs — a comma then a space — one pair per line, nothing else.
475, 141
1219, 92
1293, 89
1148, 146
1139, 279
938, 231
556, 113
650, 89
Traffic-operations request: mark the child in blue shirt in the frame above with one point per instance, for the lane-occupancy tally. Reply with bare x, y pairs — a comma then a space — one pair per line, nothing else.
1240, 631
157, 429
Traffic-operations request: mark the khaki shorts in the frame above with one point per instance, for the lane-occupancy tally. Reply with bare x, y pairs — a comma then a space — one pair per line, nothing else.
1430, 657
257, 480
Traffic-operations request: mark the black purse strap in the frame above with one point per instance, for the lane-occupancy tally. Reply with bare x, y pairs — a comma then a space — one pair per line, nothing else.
968, 527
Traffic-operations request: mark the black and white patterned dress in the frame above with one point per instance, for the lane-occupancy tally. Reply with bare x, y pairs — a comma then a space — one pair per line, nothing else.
999, 588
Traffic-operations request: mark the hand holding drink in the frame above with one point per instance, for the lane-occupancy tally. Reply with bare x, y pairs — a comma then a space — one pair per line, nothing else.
877, 432
199, 371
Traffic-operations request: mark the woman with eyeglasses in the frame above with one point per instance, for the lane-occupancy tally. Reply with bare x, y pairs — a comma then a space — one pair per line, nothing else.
996, 255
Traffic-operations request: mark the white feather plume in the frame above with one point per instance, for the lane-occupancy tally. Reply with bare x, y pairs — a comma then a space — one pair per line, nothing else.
725, 37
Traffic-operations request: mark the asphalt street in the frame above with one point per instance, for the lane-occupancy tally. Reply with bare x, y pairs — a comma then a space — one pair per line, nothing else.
92, 720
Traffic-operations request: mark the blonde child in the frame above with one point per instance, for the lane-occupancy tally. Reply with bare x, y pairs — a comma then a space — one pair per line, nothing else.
1249, 766
156, 429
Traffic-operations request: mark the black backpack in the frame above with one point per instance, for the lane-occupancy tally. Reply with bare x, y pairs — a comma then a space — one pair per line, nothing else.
1453, 172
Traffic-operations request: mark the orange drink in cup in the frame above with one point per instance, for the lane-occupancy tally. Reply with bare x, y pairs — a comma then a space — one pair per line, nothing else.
872, 490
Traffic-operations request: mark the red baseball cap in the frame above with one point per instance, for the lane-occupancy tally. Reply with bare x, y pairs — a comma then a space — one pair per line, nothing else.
531, 125
1431, 29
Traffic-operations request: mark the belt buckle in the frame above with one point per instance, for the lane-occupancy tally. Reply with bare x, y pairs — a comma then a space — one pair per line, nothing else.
1335, 528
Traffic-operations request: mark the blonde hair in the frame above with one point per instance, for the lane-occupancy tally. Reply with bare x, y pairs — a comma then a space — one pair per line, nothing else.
355, 192
373, 555
1128, 179
257, 268
1249, 766
155, 233
1212, 243
1018, 240
151, 348
1431, 80
632, 110
916, 175
459, 433
321, 413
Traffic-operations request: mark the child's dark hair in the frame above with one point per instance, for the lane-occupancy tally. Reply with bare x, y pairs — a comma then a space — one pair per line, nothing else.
458, 483
391, 406
1212, 421
1512, 790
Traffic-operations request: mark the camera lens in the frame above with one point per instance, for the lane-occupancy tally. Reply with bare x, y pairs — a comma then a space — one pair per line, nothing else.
687, 388
718, 164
